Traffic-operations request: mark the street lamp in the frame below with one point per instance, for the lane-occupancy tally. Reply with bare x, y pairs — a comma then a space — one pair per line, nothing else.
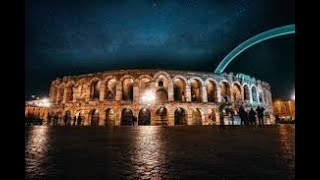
148, 97
45, 102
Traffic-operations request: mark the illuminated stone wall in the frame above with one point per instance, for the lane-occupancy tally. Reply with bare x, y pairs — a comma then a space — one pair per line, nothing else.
191, 98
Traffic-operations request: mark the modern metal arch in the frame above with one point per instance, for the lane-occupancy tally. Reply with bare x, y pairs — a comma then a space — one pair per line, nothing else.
276, 32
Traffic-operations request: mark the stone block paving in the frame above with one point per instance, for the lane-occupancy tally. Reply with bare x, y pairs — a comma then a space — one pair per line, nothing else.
155, 152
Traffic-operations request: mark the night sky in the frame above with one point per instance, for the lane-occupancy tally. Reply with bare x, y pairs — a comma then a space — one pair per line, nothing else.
74, 37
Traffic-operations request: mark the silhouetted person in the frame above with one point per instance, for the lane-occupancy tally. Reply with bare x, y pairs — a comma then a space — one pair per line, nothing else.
232, 116
260, 111
74, 120
221, 114
65, 119
79, 120
252, 116
242, 114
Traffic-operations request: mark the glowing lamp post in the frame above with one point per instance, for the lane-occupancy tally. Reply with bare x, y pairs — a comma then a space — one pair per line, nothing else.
148, 97
45, 102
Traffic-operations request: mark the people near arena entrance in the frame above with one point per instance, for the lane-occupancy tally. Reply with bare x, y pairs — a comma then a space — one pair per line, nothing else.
79, 120
252, 116
74, 120
260, 111
242, 114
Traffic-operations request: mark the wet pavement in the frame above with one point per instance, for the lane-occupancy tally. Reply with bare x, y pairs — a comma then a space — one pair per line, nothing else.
155, 152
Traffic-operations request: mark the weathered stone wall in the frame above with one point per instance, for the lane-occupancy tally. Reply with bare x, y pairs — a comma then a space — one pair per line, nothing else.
182, 89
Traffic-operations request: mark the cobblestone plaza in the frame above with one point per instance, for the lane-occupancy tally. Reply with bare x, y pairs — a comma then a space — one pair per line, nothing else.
156, 152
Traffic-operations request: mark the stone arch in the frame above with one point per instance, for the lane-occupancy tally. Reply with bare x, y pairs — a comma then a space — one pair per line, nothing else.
144, 117
110, 88
179, 88
69, 91
94, 117
196, 116
80, 82
236, 91
127, 82
127, 117
110, 117
60, 93
180, 116
246, 92
163, 73
225, 90
212, 90
81, 88
196, 89
162, 88
145, 76
254, 93
95, 85
162, 116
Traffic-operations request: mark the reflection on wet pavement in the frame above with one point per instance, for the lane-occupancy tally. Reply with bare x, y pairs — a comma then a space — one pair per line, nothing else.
154, 152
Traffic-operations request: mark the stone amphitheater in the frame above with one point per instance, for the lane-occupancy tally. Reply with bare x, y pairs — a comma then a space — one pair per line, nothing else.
156, 97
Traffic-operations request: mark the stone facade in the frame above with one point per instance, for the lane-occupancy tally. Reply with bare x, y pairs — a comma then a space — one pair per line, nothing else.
155, 97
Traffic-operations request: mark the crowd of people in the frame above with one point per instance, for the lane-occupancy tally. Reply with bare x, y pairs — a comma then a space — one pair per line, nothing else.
249, 117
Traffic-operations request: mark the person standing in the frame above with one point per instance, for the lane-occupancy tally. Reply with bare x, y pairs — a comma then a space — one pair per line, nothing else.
260, 111
252, 116
242, 114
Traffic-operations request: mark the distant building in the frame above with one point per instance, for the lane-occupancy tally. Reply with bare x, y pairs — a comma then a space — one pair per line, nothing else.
37, 108
284, 109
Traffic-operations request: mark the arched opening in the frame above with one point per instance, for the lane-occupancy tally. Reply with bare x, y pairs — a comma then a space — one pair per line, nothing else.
161, 115
212, 91
110, 117
127, 90
180, 117
196, 117
144, 117
94, 117
70, 92
127, 117
110, 90
225, 91
179, 89
160, 83
95, 90
162, 90
60, 94
196, 91
261, 97
212, 116
67, 118
254, 94
237, 92
246, 93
